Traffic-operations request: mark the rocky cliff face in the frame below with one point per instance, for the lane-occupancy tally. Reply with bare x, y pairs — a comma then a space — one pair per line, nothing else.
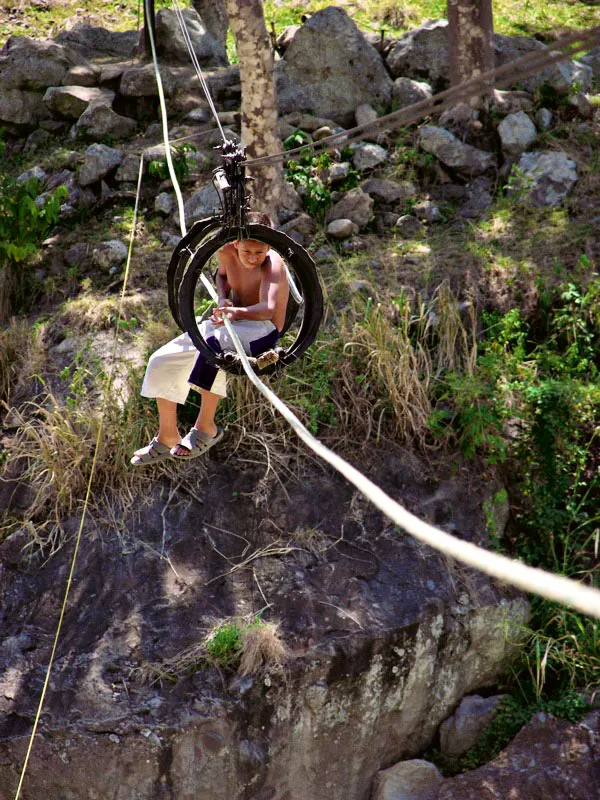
385, 635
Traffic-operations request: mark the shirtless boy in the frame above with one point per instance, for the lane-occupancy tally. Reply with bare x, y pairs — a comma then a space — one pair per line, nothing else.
252, 291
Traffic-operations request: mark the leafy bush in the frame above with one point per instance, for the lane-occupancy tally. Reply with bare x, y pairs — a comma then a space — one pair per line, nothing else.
181, 164
25, 221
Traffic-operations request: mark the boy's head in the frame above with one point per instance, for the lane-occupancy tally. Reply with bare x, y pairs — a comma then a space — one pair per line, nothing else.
251, 252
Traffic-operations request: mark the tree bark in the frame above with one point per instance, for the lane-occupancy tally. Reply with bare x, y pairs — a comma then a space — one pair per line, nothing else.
470, 34
260, 132
214, 16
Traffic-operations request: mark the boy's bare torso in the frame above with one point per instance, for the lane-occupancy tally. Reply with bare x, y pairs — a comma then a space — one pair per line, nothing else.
246, 283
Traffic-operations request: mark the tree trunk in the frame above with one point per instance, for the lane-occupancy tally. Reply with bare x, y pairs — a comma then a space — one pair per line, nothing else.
260, 132
470, 33
214, 16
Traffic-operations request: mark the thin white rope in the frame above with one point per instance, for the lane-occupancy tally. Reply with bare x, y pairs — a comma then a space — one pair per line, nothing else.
69, 583
195, 62
530, 579
165, 123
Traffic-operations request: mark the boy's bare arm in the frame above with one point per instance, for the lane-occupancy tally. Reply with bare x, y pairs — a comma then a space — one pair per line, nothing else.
223, 287
269, 289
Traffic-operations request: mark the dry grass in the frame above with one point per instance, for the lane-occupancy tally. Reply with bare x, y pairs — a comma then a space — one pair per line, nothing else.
21, 358
249, 644
262, 648
93, 311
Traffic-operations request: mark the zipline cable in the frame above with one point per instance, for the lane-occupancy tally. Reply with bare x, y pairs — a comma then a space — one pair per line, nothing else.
500, 76
109, 381
530, 579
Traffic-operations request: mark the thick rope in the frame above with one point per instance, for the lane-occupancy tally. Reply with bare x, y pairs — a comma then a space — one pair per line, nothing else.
530, 579
88, 492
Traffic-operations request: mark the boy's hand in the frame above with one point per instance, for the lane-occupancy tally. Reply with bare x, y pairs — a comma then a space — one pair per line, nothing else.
217, 315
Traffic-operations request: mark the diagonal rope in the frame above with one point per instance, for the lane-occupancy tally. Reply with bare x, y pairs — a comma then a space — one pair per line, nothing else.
530, 579
88, 492
479, 84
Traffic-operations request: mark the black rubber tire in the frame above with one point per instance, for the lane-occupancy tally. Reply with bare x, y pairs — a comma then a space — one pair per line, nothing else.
180, 258
298, 260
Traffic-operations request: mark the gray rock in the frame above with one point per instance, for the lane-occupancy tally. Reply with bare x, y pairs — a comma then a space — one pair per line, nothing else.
427, 211
422, 53
458, 118
550, 177
286, 37
308, 122
325, 255
164, 204
323, 133
200, 160
409, 227
386, 220
479, 198
367, 156
560, 77
21, 109
543, 119
71, 101
34, 65
318, 75
517, 133
129, 169
341, 229
78, 254
582, 104
202, 203
171, 44
408, 780
109, 254
92, 41
462, 730
406, 91
36, 140
302, 223
364, 114
199, 116
454, 153
592, 60
101, 122
99, 161
13, 551
356, 205
338, 172
386, 191
354, 245
35, 173
140, 81
509, 102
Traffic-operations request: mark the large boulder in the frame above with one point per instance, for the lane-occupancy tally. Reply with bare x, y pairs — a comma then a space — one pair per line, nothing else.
592, 60
99, 161
101, 122
453, 153
171, 45
408, 780
406, 91
329, 69
462, 730
21, 109
423, 53
140, 81
71, 101
545, 178
92, 41
356, 206
34, 65
517, 133
202, 203
547, 760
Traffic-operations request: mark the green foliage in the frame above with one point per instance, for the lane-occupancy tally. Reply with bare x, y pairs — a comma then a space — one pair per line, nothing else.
25, 221
314, 381
224, 646
181, 165
308, 175
533, 402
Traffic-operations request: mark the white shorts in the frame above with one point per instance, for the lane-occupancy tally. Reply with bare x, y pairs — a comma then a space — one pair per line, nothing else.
170, 368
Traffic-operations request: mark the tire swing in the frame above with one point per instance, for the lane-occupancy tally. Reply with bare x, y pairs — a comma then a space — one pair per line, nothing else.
188, 262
